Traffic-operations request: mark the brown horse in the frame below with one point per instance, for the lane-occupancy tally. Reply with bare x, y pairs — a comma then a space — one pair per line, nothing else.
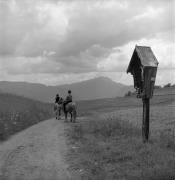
71, 108
57, 109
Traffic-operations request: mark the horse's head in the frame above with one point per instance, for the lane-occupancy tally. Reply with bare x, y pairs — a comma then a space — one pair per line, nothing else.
61, 100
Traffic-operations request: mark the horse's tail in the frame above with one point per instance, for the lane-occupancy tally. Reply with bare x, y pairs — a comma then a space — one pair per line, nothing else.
55, 107
75, 113
74, 110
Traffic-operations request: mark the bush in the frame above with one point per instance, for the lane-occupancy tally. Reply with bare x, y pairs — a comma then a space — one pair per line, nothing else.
157, 87
167, 85
129, 93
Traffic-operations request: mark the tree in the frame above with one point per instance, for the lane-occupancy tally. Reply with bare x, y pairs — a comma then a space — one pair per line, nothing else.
167, 85
129, 93
157, 87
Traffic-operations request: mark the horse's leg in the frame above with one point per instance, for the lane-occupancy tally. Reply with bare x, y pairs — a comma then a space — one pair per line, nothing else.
70, 117
56, 114
59, 113
65, 116
74, 116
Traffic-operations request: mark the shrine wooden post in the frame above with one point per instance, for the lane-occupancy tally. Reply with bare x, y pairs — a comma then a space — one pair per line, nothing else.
143, 67
145, 121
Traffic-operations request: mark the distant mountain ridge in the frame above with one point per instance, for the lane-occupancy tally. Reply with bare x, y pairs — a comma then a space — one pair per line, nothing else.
97, 88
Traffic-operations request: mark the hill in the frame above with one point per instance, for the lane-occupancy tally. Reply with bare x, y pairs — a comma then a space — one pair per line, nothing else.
97, 88
165, 90
18, 113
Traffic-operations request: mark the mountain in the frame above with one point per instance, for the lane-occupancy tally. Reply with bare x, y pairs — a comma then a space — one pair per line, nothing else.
97, 88
30, 90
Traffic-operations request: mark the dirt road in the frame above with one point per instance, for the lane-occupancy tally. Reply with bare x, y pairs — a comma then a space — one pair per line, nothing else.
36, 153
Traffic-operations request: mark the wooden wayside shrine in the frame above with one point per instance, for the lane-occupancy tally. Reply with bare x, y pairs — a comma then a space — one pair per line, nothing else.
143, 66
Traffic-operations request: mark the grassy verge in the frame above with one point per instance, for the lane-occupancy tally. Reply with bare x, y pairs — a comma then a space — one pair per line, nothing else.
113, 149
18, 113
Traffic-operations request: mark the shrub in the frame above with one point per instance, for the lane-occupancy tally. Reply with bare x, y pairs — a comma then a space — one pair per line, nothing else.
167, 85
129, 93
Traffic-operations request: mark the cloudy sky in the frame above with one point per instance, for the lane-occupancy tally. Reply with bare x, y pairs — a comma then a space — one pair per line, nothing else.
58, 42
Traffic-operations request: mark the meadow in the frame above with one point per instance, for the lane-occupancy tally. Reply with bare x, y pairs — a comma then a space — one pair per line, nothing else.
18, 113
106, 142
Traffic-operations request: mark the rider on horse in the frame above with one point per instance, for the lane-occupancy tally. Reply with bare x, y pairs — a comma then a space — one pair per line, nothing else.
57, 98
58, 104
68, 100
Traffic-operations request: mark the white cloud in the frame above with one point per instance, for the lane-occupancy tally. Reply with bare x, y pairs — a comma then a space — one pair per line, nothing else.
149, 13
61, 37
163, 48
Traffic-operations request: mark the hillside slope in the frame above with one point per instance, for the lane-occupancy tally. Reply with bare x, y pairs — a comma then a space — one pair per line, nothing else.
18, 113
97, 88
164, 91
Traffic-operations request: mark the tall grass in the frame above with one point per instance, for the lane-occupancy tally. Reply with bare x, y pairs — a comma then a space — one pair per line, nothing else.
113, 149
18, 113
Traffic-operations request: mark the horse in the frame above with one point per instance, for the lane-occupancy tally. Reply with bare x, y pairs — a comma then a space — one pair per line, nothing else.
71, 108
57, 109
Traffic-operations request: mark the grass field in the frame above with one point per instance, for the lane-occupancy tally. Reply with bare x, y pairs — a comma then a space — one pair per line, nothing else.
18, 113
106, 142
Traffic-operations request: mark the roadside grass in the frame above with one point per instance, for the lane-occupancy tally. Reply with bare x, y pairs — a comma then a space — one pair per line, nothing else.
112, 148
18, 113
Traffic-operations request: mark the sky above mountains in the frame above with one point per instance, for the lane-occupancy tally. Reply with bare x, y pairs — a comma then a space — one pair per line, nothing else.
58, 42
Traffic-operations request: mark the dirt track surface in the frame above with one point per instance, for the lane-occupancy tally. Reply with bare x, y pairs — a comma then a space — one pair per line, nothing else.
35, 154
